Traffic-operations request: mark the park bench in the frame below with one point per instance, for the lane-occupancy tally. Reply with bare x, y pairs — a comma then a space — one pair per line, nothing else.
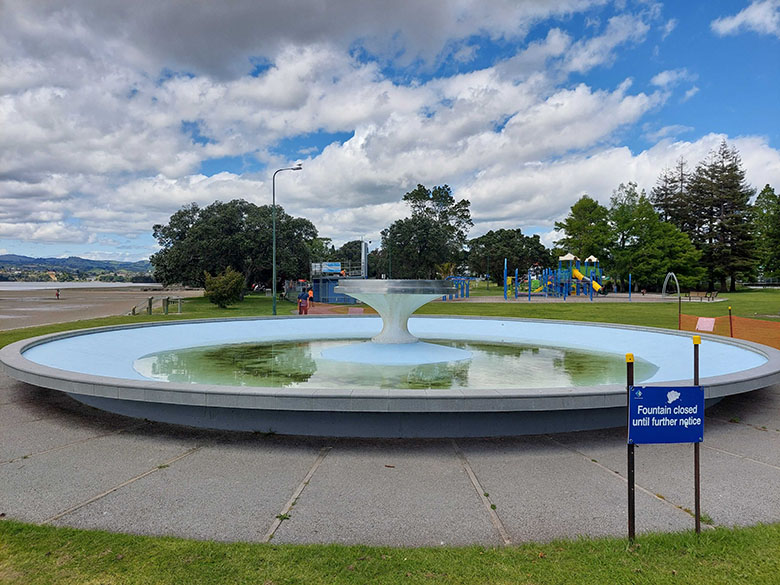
695, 294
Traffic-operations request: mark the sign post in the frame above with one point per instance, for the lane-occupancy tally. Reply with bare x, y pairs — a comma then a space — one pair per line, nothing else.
630, 455
696, 476
665, 414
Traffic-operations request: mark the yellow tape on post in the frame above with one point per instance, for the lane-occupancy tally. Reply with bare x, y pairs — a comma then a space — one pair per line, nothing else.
629, 358
697, 340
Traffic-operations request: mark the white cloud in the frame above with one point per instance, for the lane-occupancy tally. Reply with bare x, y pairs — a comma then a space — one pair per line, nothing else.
762, 16
95, 145
669, 27
600, 50
666, 132
690, 93
671, 77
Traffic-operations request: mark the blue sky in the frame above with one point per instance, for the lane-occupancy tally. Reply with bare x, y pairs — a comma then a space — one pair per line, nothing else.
112, 119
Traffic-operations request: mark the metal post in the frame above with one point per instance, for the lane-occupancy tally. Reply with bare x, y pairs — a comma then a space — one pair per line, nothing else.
297, 167
629, 287
592, 276
731, 324
149, 303
178, 308
630, 458
696, 459
165, 302
505, 275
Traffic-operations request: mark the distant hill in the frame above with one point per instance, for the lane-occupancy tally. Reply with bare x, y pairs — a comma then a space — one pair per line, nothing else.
71, 264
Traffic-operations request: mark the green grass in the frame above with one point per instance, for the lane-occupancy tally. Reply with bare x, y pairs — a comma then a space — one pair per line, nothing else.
33, 555
194, 308
42, 554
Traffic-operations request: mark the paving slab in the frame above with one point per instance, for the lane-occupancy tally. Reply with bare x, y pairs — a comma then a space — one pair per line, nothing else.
395, 493
230, 491
735, 490
40, 487
543, 491
743, 440
760, 408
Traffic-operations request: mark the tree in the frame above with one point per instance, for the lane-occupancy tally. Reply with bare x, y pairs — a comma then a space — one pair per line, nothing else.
766, 218
236, 234
434, 234
671, 197
647, 247
720, 197
225, 289
587, 231
487, 253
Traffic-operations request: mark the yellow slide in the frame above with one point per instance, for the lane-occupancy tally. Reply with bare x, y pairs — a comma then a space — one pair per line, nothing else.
580, 276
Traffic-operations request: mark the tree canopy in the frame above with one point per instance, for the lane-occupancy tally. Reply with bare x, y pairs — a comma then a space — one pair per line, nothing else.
236, 235
586, 230
487, 253
434, 235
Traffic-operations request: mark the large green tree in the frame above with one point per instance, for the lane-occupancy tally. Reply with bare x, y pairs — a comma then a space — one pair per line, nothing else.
487, 253
586, 230
647, 247
766, 217
671, 197
720, 197
435, 234
236, 235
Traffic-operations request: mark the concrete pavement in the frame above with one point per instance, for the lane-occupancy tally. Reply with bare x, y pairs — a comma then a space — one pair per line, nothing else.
63, 463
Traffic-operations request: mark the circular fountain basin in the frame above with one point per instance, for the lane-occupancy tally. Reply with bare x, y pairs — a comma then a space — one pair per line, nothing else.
97, 368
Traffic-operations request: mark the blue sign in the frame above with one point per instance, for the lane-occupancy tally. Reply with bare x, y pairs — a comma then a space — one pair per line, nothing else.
665, 414
331, 267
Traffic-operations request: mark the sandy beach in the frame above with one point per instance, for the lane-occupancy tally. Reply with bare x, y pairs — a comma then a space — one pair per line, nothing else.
27, 308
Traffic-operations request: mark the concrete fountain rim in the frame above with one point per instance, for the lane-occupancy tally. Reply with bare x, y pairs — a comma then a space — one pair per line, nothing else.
368, 400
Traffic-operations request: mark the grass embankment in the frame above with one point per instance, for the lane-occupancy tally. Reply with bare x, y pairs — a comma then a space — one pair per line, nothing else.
42, 554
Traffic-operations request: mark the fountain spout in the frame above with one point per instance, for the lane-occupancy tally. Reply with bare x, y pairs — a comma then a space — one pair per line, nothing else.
395, 301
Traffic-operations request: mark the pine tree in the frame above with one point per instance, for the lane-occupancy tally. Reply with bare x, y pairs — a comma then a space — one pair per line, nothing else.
671, 197
720, 200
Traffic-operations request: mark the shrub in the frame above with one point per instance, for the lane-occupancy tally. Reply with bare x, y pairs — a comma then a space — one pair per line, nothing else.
225, 289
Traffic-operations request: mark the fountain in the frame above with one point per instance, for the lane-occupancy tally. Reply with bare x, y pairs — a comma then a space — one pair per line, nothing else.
395, 301
346, 382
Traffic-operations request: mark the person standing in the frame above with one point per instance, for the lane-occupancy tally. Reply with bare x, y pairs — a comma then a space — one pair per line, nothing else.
311, 298
303, 303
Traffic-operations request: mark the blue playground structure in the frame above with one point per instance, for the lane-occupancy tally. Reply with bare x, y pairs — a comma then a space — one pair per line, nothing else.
572, 277
462, 285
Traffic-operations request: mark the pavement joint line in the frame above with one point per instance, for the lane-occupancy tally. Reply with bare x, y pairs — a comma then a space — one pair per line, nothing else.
614, 473
740, 456
744, 424
489, 506
72, 443
120, 486
296, 494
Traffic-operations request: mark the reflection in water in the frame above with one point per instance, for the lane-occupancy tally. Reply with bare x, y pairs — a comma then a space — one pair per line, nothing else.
299, 365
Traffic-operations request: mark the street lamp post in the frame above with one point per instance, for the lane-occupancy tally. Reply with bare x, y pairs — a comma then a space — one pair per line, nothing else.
297, 167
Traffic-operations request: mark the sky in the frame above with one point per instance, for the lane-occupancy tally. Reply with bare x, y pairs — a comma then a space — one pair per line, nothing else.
115, 114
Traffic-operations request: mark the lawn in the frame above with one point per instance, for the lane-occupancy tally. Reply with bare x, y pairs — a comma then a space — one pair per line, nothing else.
35, 555
31, 554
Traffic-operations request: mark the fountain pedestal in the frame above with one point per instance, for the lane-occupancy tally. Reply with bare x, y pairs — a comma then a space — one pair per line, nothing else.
395, 301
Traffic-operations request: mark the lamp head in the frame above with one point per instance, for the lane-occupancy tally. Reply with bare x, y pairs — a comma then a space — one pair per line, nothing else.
297, 167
